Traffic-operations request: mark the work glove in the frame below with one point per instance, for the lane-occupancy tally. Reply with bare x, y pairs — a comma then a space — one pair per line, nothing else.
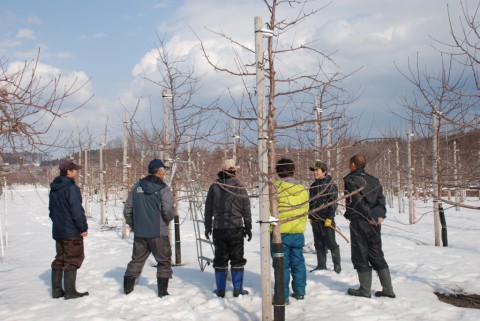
208, 232
247, 232
328, 222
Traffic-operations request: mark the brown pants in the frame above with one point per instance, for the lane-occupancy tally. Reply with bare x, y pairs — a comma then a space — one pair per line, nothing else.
70, 254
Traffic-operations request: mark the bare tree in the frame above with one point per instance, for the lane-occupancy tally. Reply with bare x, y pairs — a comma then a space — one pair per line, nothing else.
177, 84
30, 104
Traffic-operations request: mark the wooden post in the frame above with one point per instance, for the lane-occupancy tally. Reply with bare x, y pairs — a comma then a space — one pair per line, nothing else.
263, 175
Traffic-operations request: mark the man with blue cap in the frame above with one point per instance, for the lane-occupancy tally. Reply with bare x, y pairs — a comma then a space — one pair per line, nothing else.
148, 211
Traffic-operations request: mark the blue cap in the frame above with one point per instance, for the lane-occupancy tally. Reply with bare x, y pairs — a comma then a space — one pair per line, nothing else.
156, 164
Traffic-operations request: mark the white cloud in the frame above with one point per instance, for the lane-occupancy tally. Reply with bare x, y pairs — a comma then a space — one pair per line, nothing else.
25, 34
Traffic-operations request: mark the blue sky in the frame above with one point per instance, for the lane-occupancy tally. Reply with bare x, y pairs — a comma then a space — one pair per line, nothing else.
111, 42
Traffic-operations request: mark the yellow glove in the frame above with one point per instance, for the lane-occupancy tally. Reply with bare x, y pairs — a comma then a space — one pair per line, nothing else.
328, 222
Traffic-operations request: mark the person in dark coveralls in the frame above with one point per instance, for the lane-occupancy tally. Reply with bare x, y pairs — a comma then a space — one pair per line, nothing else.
322, 191
69, 227
148, 212
366, 211
228, 217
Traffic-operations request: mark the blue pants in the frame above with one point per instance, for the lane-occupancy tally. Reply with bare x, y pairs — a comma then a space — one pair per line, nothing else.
294, 263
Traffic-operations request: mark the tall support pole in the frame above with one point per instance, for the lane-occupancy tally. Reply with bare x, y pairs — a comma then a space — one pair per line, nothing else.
263, 175
102, 183
86, 195
389, 175
317, 125
435, 183
455, 175
235, 136
125, 173
329, 145
411, 218
399, 184
166, 128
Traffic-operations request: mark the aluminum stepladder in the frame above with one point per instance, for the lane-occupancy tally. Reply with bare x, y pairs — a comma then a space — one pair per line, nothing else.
196, 201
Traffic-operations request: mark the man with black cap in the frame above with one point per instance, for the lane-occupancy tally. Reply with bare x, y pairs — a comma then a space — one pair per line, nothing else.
322, 191
69, 227
228, 216
148, 211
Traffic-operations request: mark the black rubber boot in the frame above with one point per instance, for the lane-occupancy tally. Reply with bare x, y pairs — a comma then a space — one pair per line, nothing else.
321, 259
365, 279
162, 284
386, 281
337, 267
128, 284
57, 291
70, 277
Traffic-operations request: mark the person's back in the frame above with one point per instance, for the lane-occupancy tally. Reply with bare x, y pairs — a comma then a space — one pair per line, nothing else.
148, 211
292, 202
360, 205
228, 219
366, 212
147, 201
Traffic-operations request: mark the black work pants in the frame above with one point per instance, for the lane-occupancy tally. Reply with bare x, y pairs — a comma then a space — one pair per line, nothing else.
366, 246
228, 247
161, 250
323, 237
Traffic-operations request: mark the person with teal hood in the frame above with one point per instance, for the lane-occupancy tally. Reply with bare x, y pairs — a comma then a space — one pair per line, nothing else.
292, 201
148, 211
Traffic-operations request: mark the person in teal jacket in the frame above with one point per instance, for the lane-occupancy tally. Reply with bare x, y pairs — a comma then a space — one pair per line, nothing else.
292, 201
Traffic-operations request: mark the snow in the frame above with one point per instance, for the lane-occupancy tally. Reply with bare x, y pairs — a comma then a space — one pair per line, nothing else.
418, 269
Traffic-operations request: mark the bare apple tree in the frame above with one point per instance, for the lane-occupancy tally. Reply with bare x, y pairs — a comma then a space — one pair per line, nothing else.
30, 103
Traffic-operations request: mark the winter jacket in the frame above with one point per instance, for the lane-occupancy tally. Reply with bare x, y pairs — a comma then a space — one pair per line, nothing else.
292, 201
323, 191
367, 204
149, 207
227, 205
66, 210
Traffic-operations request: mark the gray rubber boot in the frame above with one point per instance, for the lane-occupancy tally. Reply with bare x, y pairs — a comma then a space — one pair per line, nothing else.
57, 291
70, 277
337, 267
386, 281
321, 259
365, 279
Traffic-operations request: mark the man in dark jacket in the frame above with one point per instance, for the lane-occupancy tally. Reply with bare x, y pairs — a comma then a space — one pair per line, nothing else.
227, 214
69, 227
322, 191
148, 211
366, 212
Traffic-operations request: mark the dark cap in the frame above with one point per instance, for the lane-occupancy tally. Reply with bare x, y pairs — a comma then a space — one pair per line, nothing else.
68, 165
319, 165
156, 164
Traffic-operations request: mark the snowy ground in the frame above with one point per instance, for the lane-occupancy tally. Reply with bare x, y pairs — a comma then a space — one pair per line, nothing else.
418, 269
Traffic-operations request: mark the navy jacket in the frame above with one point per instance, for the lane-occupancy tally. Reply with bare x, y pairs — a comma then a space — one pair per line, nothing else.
370, 202
66, 210
149, 207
